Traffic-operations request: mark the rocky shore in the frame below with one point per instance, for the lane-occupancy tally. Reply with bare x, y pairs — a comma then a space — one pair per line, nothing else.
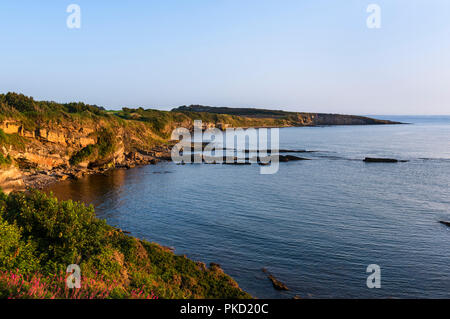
16, 179
42, 142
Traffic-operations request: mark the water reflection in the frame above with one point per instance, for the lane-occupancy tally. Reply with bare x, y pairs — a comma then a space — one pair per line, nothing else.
92, 189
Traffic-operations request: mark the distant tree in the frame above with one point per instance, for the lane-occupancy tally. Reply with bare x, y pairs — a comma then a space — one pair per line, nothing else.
20, 102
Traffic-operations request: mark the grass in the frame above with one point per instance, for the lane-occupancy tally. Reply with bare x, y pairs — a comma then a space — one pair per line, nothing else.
41, 236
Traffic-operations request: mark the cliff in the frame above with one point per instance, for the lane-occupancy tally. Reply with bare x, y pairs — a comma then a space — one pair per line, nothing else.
42, 142
286, 118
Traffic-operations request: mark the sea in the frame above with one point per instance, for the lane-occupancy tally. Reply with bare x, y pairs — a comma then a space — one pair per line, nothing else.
315, 225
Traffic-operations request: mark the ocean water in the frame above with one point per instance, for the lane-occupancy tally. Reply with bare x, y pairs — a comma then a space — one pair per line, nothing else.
316, 225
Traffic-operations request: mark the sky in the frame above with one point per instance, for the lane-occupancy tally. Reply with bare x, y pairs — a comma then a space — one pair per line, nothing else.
299, 55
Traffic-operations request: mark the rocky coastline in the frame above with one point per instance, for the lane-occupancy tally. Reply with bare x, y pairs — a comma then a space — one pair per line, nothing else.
42, 142
15, 178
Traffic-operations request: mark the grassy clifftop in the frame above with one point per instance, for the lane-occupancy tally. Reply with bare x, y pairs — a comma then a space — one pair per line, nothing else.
285, 118
40, 236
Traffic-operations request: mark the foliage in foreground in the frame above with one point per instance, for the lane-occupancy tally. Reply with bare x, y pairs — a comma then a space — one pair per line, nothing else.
17, 286
40, 236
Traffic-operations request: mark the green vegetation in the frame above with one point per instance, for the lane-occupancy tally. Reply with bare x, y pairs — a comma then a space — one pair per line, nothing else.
105, 142
7, 140
33, 114
40, 236
103, 148
251, 112
163, 122
82, 155
284, 118
13, 102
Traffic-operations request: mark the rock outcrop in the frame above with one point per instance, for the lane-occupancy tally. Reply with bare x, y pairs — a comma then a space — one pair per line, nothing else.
290, 158
44, 153
278, 285
445, 223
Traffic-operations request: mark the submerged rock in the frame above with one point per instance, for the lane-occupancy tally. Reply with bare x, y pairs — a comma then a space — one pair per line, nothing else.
237, 163
295, 151
445, 223
249, 160
288, 158
278, 285
381, 160
279, 151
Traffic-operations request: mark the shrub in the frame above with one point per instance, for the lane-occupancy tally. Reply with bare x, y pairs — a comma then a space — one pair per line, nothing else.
5, 160
40, 236
15, 253
64, 232
82, 155
105, 142
104, 147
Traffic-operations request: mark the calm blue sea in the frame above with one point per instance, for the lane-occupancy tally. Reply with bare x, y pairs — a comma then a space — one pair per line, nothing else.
316, 225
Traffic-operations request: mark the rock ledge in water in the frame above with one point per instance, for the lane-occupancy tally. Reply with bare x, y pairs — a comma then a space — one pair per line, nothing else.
278, 285
288, 158
381, 160
445, 223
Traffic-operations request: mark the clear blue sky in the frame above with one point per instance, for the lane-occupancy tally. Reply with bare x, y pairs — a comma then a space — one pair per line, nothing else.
300, 55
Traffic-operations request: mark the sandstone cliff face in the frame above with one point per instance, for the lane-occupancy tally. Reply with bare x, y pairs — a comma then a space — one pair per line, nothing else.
11, 127
65, 136
47, 146
46, 152
11, 178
